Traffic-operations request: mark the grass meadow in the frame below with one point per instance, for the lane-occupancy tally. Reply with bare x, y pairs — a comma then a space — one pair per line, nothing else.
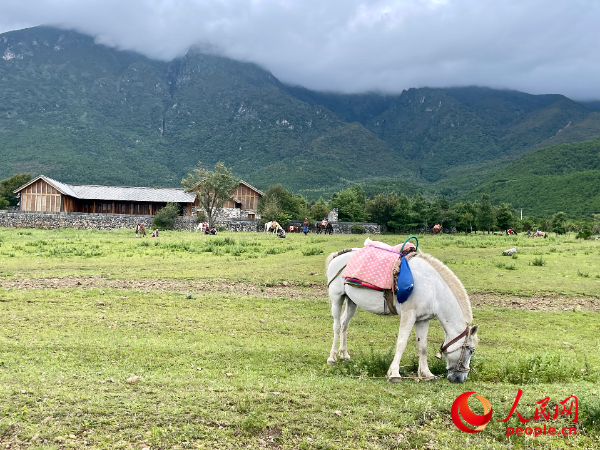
195, 341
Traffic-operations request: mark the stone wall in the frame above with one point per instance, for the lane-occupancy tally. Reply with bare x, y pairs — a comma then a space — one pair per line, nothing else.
229, 213
78, 221
342, 227
81, 221
190, 224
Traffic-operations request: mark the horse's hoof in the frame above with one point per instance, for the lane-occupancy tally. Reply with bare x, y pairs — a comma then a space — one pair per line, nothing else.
331, 362
395, 379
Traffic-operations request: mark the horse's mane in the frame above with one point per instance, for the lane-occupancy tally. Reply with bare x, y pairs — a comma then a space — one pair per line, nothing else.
453, 283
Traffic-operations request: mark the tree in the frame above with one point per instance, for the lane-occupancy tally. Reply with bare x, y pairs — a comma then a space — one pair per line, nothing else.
559, 221
504, 216
8, 185
350, 204
165, 217
270, 209
401, 217
381, 208
419, 210
281, 205
485, 214
439, 211
319, 210
213, 188
465, 216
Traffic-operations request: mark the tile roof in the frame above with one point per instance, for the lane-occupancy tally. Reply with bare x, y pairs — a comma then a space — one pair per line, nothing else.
117, 193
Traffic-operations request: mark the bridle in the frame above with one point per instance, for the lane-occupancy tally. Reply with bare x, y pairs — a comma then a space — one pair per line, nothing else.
460, 364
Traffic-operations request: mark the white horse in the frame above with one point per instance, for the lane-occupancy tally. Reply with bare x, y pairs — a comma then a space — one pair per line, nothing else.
202, 226
273, 225
437, 293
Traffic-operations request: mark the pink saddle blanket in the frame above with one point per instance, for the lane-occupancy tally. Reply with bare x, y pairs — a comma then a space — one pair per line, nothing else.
374, 263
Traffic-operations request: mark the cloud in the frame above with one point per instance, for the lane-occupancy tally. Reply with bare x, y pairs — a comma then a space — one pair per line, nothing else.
353, 46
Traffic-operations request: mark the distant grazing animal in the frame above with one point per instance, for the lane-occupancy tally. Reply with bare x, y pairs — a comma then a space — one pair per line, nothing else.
437, 229
539, 233
510, 232
324, 226
273, 225
140, 229
202, 226
293, 229
437, 293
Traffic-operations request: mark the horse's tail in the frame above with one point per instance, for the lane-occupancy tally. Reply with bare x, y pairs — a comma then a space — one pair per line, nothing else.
335, 255
329, 259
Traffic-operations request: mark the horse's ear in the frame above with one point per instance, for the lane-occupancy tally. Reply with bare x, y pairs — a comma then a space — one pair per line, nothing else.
473, 330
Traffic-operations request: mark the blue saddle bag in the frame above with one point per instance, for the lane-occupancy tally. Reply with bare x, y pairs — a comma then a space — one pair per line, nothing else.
405, 283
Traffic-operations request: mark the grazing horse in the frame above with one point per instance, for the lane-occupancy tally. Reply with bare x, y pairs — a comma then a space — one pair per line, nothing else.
539, 233
437, 293
511, 232
272, 225
293, 229
324, 226
437, 228
140, 229
202, 226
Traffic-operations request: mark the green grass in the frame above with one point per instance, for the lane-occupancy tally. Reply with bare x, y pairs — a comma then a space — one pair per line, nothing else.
66, 353
256, 257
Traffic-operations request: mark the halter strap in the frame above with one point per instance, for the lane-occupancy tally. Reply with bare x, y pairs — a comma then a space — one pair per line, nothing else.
443, 347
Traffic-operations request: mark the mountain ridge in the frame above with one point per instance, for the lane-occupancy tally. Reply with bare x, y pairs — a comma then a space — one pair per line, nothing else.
86, 113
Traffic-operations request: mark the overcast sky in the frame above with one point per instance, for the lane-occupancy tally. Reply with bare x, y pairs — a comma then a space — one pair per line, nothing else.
537, 46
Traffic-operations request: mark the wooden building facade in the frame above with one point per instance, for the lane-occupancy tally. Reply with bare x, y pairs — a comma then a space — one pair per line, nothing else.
43, 194
245, 198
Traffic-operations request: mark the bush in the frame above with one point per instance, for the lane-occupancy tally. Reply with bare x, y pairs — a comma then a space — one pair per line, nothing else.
584, 234
357, 229
165, 218
538, 262
200, 217
312, 251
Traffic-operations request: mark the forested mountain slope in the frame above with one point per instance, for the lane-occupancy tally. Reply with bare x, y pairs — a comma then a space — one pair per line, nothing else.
86, 113
559, 178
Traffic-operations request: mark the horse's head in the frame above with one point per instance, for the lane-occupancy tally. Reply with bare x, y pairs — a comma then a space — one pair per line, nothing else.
458, 356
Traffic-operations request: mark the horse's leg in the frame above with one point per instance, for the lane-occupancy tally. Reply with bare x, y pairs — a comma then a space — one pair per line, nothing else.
348, 313
421, 329
336, 311
407, 320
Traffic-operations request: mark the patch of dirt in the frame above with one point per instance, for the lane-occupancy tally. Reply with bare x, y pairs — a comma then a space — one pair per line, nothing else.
287, 290
194, 287
536, 302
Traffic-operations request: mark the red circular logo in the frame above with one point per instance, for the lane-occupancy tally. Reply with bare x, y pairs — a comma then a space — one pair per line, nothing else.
460, 408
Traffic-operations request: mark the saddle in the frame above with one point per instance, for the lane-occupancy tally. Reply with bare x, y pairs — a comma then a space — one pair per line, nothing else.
376, 266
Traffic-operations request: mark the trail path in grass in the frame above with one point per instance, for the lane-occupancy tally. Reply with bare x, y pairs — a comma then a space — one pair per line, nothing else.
289, 290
